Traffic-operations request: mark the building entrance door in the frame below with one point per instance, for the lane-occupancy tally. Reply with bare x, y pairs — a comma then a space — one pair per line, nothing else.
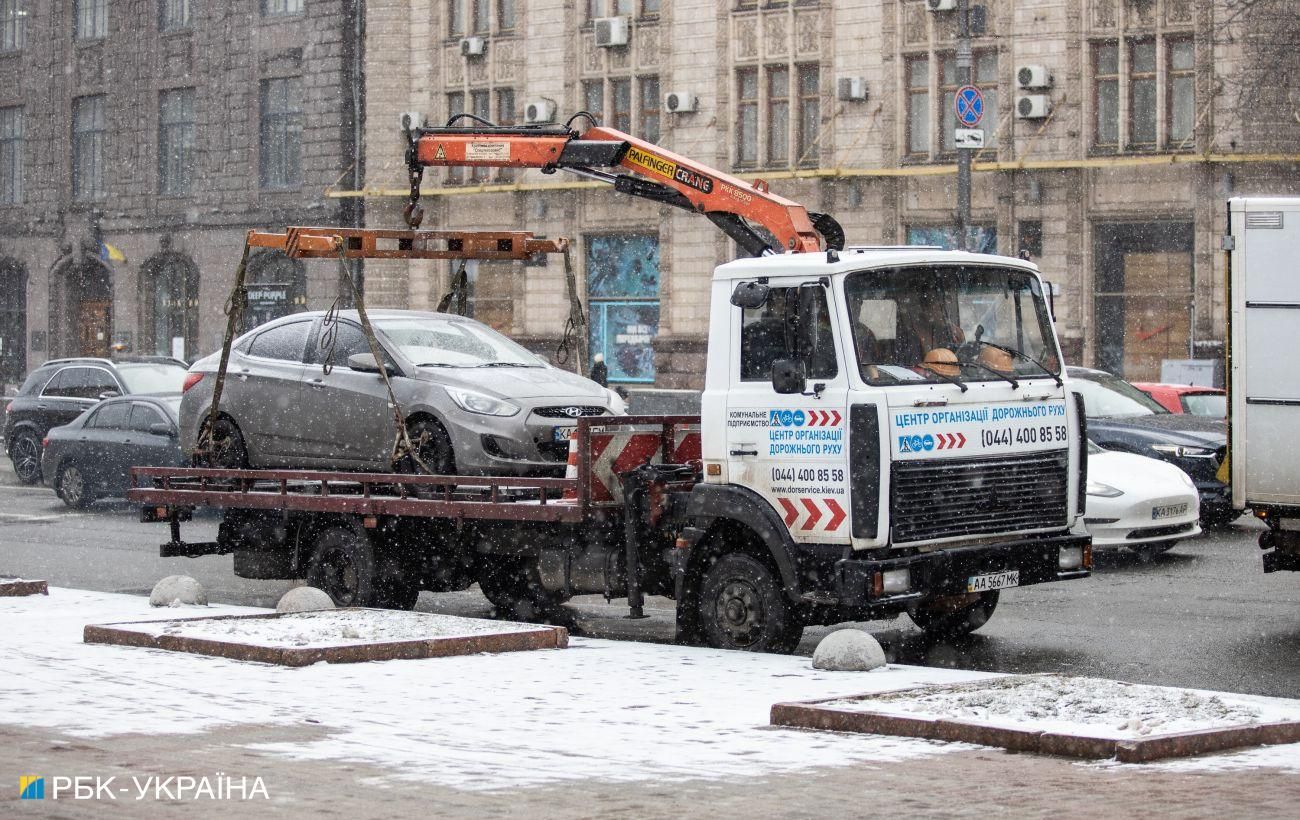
95, 323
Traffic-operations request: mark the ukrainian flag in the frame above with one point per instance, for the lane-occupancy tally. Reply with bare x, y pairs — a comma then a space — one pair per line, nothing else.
111, 253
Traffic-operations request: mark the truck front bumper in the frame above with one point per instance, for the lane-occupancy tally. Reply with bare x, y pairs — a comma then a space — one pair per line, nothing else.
864, 582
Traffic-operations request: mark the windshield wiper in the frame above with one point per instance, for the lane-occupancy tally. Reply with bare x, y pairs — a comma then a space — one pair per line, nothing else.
1024, 356
436, 364
986, 368
945, 377
506, 364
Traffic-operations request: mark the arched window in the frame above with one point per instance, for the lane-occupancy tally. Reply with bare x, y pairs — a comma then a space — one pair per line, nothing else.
13, 320
277, 286
169, 284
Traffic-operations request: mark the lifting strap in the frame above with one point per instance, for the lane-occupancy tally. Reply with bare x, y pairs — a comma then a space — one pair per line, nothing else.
457, 293
575, 329
234, 310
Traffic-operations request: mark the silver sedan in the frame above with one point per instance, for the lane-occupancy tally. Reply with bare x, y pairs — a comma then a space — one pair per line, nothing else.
302, 391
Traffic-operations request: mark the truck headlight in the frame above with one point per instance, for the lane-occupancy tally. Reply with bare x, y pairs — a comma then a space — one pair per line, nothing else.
481, 404
895, 581
1103, 490
1183, 450
1070, 558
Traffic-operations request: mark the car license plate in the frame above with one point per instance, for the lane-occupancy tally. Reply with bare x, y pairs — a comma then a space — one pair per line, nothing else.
1168, 511
994, 580
564, 433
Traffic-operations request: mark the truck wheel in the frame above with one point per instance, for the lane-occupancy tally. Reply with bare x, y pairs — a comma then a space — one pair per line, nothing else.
950, 617
343, 565
72, 487
512, 585
25, 452
742, 606
398, 584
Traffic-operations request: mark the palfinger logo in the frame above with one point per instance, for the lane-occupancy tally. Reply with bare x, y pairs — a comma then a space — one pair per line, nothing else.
31, 787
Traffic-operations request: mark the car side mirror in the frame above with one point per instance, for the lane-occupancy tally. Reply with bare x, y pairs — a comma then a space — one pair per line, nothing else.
162, 429
109, 394
365, 363
750, 295
789, 376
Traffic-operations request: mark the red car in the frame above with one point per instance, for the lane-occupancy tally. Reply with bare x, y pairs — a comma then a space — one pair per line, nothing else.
1210, 402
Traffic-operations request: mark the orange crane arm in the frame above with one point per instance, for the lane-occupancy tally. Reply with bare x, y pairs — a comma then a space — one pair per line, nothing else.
745, 212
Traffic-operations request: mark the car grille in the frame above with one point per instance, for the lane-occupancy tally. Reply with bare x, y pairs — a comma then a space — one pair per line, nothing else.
570, 411
1158, 532
945, 498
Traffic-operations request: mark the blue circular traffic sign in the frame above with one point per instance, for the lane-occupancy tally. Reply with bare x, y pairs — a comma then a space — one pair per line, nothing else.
969, 106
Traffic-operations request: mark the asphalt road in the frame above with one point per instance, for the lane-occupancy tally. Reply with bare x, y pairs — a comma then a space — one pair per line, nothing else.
1203, 615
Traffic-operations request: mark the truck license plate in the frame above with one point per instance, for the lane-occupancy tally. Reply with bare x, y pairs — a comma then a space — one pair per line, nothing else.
564, 433
1168, 511
994, 580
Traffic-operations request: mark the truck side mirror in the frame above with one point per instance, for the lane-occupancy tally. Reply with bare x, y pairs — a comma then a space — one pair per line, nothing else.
1052, 289
750, 295
789, 376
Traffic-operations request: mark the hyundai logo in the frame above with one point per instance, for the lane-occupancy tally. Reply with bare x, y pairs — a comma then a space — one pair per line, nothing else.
572, 412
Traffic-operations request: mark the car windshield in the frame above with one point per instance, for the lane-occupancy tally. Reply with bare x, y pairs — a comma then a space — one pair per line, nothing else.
152, 378
1105, 396
977, 323
1214, 405
435, 342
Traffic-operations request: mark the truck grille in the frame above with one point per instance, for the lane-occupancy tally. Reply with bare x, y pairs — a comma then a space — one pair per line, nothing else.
946, 498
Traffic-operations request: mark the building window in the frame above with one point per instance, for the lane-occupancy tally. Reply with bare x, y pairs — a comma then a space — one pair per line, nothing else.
918, 105
170, 291
455, 17
1142, 106
482, 16
281, 132
175, 141
88, 135
480, 103
1181, 92
13, 25
778, 115
277, 287
505, 15
610, 8
173, 14
11, 155
92, 19
620, 95
623, 302
747, 116
810, 115
1105, 69
593, 99
455, 106
650, 8
274, 8
650, 116
506, 114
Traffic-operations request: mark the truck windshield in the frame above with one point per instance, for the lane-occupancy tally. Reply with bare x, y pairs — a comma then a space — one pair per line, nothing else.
922, 324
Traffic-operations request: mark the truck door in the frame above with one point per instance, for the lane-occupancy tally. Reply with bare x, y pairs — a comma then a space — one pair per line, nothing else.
791, 448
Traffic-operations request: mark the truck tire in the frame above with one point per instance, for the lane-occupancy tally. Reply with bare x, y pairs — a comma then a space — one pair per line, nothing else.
398, 584
343, 565
940, 619
742, 606
512, 585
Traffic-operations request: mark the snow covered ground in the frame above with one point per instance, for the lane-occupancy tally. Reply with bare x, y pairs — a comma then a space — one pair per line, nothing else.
598, 710
1083, 706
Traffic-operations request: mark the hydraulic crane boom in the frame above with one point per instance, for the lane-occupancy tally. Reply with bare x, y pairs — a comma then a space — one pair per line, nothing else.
732, 204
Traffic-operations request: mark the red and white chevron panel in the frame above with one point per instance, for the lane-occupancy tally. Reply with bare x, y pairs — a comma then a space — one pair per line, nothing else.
949, 441
615, 454
812, 513
824, 418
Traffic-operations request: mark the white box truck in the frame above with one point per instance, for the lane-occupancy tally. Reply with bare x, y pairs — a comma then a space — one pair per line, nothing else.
1263, 245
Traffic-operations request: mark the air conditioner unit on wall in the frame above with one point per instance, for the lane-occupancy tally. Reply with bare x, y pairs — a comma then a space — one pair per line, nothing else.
611, 31
410, 120
473, 47
1033, 76
851, 89
941, 5
680, 102
1033, 106
539, 112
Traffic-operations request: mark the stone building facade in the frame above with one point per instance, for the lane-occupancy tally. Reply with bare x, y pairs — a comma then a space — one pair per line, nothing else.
140, 140
1113, 179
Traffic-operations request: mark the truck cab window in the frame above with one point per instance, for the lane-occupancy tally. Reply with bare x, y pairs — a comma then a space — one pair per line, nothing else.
795, 323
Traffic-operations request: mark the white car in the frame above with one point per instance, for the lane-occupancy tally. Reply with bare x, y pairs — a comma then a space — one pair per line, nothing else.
1137, 502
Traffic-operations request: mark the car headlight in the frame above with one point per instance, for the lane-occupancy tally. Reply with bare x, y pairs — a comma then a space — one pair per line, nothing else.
1103, 490
481, 404
1183, 450
616, 404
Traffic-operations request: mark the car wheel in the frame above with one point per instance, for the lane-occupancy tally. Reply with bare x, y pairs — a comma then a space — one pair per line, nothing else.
433, 446
952, 616
343, 565
25, 451
742, 606
72, 487
513, 587
227, 450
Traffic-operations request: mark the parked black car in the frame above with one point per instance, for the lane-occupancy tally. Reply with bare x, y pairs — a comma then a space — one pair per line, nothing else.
92, 457
1122, 417
62, 389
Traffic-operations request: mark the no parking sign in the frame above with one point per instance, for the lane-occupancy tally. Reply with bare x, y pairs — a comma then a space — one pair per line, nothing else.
968, 104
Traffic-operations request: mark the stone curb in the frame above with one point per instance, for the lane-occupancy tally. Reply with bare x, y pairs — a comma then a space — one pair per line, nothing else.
540, 637
18, 589
814, 715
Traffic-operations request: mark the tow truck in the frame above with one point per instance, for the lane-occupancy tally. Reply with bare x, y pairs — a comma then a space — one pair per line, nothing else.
883, 430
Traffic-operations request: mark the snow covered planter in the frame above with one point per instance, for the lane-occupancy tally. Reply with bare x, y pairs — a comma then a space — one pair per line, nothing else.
333, 636
18, 587
1062, 715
